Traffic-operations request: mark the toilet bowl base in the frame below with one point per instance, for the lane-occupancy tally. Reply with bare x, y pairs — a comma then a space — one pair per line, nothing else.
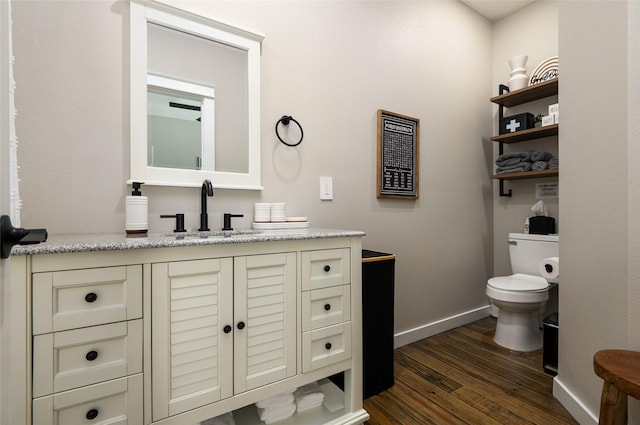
518, 331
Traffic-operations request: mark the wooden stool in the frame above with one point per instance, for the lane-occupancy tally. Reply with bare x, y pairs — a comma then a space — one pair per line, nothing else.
620, 370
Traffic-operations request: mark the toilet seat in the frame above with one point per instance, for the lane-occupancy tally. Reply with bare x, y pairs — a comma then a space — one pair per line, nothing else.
518, 288
519, 282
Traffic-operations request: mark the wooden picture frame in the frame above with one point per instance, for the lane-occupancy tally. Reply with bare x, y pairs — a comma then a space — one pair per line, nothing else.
398, 156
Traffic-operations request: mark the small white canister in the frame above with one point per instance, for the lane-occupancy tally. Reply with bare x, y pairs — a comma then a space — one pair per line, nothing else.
278, 212
262, 212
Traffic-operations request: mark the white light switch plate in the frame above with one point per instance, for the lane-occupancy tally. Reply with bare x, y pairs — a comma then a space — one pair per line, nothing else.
326, 188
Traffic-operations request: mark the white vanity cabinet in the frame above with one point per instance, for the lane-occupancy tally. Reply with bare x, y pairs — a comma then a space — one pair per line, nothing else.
174, 333
326, 307
220, 327
190, 353
87, 346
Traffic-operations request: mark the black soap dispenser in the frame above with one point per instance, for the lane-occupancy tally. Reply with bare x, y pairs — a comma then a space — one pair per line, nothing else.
136, 211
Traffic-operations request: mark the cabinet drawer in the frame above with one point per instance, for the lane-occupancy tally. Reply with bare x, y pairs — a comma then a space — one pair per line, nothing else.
326, 346
78, 298
117, 402
325, 307
325, 268
71, 359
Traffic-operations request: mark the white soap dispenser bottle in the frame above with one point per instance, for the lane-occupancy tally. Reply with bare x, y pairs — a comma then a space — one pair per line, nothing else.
136, 207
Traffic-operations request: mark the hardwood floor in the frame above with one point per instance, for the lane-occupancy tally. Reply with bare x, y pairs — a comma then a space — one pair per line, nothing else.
463, 377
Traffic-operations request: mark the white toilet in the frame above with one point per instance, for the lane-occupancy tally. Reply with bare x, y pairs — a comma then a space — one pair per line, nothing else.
521, 296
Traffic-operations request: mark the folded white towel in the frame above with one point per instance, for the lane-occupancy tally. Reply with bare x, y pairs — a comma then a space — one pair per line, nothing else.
270, 415
307, 406
309, 396
225, 419
283, 399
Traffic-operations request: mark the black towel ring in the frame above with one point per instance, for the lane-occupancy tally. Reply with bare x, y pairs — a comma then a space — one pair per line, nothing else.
285, 120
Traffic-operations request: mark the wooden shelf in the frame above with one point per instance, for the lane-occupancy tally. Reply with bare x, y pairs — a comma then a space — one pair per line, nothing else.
529, 134
527, 175
518, 97
527, 94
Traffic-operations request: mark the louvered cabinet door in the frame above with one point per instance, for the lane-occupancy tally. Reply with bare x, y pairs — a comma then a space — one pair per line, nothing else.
264, 319
192, 352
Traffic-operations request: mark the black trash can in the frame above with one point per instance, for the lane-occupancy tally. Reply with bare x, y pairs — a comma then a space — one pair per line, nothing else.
378, 270
550, 344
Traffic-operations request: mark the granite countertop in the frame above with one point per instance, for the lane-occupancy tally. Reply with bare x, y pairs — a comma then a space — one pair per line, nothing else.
67, 243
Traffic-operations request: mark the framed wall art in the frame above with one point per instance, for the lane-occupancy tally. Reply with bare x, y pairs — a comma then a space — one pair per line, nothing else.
398, 171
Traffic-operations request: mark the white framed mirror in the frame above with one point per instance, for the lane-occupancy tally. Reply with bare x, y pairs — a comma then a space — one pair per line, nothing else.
195, 99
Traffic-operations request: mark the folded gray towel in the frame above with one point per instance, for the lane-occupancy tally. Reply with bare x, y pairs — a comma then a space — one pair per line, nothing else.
509, 162
513, 158
540, 156
521, 167
540, 165
554, 163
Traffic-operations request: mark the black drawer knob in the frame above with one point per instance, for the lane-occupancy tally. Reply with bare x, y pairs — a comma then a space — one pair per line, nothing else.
327, 268
241, 325
327, 307
92, 414
91, 297
227, 329
91, 355
327, 346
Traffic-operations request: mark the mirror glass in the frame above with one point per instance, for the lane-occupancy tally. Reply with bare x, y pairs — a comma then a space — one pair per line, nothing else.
195, 100
179, 125
173, 131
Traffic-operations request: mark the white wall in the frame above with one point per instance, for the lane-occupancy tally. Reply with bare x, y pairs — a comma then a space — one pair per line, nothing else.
599, 300
331, 65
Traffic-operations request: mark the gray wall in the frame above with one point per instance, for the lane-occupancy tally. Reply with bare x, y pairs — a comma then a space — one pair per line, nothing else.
331, 65
599, 292
531, 31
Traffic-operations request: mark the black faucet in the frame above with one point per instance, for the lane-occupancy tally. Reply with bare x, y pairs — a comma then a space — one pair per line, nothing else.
207, 190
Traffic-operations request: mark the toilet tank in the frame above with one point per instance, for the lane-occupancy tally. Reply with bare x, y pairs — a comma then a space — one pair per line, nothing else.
526, 251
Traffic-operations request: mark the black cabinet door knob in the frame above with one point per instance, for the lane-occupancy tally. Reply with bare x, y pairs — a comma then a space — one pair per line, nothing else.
327, 306
92, 414
241, 325
91, 297
91, 355
327, 268
227, 329
327, 346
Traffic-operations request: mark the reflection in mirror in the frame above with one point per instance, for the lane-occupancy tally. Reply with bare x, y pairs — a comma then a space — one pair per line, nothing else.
180, 124
180, 59
173, 131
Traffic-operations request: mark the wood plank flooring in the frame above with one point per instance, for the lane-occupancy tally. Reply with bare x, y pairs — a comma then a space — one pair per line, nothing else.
463, 377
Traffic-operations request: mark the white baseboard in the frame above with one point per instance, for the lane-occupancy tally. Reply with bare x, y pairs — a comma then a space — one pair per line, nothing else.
430, 329
574, 406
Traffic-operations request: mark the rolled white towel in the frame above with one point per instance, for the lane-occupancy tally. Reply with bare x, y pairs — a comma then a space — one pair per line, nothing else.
308, 396
274, 414
283, 399
225, 419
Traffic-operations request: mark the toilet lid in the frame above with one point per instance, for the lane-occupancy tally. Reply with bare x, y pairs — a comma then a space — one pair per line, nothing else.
519, 282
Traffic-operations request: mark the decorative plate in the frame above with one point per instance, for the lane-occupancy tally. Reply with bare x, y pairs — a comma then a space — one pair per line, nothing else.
547, 70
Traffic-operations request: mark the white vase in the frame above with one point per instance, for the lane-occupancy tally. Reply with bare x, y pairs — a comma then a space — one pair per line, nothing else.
519, 77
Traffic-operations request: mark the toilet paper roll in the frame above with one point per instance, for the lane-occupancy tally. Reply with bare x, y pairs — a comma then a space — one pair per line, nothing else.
550, 268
